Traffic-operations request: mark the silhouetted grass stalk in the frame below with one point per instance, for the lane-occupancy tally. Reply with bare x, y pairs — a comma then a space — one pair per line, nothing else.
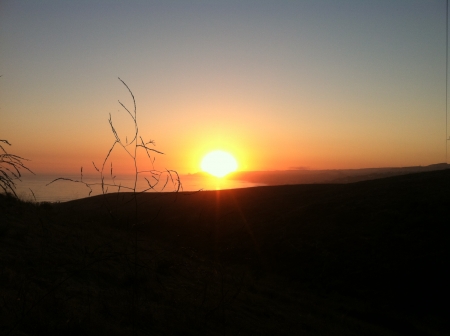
131, 148
157, 176
10, 169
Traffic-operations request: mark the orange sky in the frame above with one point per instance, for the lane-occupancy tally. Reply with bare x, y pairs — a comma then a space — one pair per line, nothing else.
340, 84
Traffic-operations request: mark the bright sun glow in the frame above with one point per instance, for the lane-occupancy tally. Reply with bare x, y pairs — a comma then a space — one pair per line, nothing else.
219, 163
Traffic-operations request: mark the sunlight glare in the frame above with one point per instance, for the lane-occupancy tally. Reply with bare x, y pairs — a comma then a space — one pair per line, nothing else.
219, 163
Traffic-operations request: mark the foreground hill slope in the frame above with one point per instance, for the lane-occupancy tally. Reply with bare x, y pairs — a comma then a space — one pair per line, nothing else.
361, 258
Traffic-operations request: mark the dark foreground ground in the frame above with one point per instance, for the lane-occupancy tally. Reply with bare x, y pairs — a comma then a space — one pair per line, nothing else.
367, 258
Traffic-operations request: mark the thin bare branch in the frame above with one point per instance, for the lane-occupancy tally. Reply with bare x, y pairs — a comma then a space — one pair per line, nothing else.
113, 129
132, 96
126, 110
34, 196
150, 149
5, 141
95, 167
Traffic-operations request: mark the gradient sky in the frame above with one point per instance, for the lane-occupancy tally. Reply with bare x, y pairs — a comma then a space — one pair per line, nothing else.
279, 84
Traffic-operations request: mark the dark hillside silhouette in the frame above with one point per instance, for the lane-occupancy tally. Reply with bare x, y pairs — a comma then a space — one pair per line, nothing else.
362, 258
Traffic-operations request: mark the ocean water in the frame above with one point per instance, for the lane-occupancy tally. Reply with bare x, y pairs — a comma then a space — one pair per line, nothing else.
38, 187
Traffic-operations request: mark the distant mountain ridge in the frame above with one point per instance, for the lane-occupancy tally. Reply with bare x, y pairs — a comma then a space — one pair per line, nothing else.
303, 176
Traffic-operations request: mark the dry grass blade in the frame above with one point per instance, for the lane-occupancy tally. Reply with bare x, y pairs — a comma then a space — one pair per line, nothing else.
10, 169
131, 147
113, 129
71, 180
95, 167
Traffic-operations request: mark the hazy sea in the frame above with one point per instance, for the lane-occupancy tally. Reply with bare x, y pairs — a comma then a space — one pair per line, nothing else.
62, 191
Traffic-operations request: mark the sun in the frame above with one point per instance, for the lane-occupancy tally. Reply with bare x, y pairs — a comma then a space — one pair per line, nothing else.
219, 163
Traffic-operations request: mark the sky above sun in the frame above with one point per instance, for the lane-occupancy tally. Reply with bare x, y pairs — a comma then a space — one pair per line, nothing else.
278, 84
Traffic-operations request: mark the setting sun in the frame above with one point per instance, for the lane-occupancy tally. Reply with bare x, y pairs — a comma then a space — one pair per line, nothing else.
219, 163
